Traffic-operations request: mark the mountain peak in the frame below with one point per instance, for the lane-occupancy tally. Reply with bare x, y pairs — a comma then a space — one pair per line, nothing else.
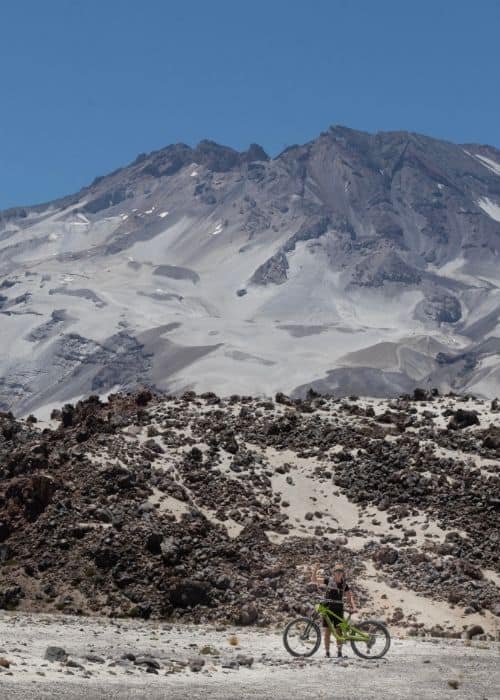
374, 256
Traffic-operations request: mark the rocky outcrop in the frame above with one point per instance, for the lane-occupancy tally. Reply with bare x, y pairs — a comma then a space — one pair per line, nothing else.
189, 508
273, 271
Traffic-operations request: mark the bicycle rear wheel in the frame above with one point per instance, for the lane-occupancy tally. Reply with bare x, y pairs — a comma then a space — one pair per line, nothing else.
378, 642
302, 637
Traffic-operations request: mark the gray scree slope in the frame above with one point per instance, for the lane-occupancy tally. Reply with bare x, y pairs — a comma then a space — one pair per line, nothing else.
354, 263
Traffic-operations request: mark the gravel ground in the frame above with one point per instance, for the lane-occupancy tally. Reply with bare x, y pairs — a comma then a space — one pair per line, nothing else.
416, 669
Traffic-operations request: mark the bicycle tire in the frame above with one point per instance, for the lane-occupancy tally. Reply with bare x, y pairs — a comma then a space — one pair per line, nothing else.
384, 632
316, 631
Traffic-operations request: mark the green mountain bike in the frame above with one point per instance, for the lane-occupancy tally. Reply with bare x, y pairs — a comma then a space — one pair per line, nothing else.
370, 639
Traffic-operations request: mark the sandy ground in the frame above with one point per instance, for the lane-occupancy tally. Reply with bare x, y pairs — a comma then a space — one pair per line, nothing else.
411, 669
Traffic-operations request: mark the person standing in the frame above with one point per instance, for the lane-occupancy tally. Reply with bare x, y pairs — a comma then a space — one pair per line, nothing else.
336, 587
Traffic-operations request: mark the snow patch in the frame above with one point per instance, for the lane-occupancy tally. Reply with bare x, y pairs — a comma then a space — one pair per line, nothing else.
83, 218
194, 174
150, 211
53, 236
453, 270
218, 229
492, 209
490, 164
163, 214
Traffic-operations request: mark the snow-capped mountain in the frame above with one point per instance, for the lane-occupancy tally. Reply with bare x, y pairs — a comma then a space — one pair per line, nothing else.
355, 263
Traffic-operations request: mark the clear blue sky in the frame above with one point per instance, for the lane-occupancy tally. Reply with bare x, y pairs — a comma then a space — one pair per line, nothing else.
86, 85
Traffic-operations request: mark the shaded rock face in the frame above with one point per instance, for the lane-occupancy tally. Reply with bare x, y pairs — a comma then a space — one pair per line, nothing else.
32, 495
443, 309
273, 271
380, 238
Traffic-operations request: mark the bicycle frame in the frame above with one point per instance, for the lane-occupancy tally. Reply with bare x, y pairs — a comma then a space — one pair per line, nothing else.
348, 633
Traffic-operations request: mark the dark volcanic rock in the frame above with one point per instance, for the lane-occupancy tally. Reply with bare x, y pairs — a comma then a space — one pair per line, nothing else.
55, 654
463, 419
247, 615
386, 555
188, 593
10, 597
200, 529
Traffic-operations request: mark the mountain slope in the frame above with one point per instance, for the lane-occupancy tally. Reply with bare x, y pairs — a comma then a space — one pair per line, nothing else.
356, 262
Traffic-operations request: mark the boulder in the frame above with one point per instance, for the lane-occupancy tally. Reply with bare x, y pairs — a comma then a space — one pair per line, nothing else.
386, 555
67, 415
492, 439
473, 631
54, 653
420, 394
470, 570
244, 660
10, 597
147, 661
154, 542
106, 558
94, 658
5, 552
143, 397
170, 551
4, 531
189, 593
196, 663
246, 615
463, 419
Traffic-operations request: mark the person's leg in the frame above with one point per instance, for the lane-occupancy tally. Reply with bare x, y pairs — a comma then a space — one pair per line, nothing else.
339, 643
327, 641
339, 610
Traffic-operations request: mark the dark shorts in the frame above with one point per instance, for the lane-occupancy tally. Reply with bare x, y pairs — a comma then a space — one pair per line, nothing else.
338, 609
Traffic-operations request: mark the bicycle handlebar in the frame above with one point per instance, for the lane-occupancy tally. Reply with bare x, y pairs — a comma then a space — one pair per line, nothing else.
333, 602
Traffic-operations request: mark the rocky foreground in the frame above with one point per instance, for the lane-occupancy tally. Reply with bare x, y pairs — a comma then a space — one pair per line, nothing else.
68, 658
201, 509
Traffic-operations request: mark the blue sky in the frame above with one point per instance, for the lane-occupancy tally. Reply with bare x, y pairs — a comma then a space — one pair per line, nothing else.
85, 86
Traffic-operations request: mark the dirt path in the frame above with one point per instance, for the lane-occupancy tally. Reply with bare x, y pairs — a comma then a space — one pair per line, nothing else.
416, 669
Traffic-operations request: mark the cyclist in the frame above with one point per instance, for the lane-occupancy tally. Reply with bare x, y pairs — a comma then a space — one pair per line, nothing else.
336, 587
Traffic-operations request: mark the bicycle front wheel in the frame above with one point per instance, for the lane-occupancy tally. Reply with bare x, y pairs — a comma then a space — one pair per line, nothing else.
377, 643
302, 637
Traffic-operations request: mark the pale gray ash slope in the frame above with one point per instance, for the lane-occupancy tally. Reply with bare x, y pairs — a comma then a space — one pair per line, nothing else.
354, 263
